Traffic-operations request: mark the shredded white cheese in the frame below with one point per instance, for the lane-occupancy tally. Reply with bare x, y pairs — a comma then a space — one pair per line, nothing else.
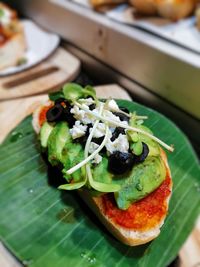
108, 114
112, 105
87, 101
78, 130
93, 146
125, 126
119, 144
82, 115
97, 159
100, 130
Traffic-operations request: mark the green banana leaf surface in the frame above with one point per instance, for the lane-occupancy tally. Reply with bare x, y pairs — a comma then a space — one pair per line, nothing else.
46, 227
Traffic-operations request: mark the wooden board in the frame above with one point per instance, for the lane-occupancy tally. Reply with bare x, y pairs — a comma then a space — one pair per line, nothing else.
47, 76
20, 108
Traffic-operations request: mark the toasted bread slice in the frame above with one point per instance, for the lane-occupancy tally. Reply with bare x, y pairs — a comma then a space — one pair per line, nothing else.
12, 39
13, 49
131, 237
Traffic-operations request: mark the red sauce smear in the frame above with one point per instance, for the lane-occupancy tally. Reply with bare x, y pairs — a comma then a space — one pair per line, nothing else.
141, 215
42, 115
3, 37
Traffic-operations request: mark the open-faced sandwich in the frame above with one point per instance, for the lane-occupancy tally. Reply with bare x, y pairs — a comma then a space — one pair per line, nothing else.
107, 154
12, 39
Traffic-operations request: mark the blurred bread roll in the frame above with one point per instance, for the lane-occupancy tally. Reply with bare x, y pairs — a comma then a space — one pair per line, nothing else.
175, 9
197, 14
170, 9
146, 7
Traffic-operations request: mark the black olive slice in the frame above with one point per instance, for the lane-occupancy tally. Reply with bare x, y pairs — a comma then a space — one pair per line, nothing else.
143, 156
88, 129
117, 132
124, 109
92, 106
98, 141
60, 100
55, 113
120, 162
68, 116
122, 116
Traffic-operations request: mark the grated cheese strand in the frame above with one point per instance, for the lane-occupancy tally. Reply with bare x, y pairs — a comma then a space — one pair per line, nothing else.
89, 139
86, 160
104, 119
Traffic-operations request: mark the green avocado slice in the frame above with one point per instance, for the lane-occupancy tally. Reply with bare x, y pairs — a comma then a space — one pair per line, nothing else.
59, 136
72, 154
45, 132
140, 182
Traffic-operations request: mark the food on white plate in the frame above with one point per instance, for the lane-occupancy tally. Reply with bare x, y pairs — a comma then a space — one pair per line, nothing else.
170, 9
105, 152
12, 39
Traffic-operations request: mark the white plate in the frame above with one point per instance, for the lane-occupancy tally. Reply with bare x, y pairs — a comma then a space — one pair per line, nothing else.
40, 44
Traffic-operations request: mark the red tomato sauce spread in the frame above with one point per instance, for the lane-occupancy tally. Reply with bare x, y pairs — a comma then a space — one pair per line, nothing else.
3, 37
141, 215
43, 112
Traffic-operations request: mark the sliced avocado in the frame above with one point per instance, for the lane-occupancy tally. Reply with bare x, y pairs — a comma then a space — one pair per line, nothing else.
140, 182
136, 146
45, 133
72, 154
57, 139
100, 172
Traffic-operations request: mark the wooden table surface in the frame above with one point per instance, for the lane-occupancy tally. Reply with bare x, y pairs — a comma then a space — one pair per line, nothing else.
20, 108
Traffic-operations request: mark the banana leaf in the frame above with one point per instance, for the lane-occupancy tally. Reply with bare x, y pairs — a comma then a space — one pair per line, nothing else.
45, 227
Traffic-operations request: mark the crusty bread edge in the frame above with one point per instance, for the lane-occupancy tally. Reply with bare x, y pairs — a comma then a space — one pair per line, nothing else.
126, 236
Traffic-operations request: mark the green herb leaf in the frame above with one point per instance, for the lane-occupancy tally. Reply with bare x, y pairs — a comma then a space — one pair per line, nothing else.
104, 188
137, 148
72, 91
133, 136
56, 95
89, 91
72, 186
